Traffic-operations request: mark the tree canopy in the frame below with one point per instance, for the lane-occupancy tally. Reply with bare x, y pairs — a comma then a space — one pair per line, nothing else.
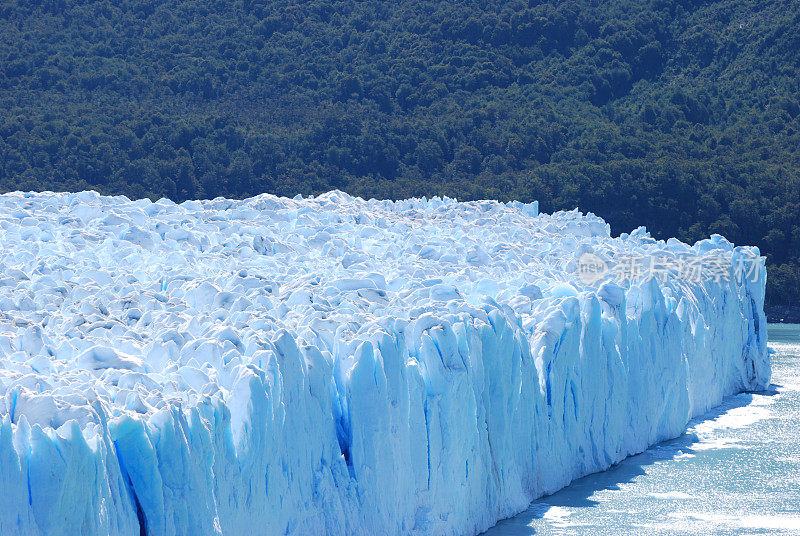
679, 115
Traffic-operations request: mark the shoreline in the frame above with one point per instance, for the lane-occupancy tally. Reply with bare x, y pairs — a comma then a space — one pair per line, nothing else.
782, 314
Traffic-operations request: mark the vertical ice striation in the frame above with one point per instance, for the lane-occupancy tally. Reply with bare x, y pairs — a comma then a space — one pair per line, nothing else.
337, 366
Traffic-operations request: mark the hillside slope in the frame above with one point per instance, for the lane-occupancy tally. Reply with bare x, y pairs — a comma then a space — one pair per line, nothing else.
678, 115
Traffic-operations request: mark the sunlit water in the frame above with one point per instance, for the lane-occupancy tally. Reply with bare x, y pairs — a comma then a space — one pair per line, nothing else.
736, 471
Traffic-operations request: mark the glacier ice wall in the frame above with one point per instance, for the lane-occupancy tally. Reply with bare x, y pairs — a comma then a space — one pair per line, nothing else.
337, 366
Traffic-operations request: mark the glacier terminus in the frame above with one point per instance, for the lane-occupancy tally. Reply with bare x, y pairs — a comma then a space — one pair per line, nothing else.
336, 366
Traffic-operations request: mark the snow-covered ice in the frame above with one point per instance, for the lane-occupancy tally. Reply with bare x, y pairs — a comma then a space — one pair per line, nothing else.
337, 366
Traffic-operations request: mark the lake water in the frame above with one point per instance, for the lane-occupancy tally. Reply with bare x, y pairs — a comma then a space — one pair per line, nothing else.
736, 471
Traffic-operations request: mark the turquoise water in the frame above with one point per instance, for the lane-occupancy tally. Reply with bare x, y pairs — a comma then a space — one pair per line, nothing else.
736, 471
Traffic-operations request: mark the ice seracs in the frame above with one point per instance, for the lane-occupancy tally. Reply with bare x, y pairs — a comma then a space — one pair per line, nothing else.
337, 366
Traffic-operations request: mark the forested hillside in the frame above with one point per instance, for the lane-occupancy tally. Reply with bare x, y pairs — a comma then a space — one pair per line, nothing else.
679, 115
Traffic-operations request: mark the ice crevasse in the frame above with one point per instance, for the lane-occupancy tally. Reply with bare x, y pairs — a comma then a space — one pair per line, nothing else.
335, 366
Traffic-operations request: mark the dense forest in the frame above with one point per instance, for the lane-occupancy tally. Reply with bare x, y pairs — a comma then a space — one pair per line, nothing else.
675, 114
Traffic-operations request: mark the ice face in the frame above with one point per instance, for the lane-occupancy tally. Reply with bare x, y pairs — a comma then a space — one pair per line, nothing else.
331, 365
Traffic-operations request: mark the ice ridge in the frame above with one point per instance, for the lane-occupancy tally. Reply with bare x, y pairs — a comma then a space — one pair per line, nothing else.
335, 366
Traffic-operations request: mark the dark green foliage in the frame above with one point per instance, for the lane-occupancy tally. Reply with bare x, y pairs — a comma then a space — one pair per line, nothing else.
679, 115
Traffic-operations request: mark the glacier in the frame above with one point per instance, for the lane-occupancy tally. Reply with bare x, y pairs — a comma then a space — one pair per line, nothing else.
335, 366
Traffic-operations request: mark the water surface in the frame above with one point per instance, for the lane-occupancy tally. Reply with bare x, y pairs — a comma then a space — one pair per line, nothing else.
736, 471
